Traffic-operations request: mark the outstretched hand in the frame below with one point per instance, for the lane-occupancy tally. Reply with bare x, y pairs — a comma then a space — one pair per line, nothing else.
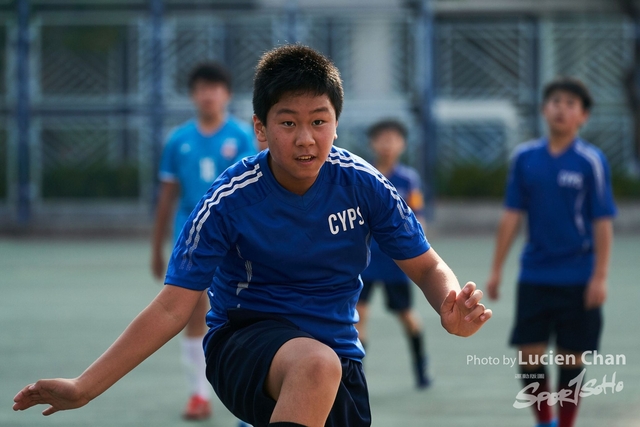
59, 394
462, 314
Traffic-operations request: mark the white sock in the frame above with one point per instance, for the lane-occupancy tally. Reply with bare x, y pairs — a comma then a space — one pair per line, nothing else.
193, 359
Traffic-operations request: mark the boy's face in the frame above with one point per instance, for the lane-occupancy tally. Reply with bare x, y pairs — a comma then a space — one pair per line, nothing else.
210, 98
299, 132
564, 113
388, 145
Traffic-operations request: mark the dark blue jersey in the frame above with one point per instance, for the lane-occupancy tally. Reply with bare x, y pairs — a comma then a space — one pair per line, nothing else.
407, 182
297, 256
562, 195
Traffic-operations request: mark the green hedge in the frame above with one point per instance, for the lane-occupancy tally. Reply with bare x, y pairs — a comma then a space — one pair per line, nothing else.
98, 181
473, 181
463, 181
625, 186
3, 183
3, 166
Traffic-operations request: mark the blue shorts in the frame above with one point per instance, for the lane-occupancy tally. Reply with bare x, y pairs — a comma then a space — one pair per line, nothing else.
239, 356
545, 311
398, 295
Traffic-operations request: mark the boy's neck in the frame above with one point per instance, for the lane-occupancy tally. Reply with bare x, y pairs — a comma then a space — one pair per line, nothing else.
386, 167
560, 142
208, 125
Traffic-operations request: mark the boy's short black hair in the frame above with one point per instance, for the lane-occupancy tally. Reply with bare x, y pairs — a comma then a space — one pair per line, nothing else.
210, 72
571, 85
294, 68
387, 124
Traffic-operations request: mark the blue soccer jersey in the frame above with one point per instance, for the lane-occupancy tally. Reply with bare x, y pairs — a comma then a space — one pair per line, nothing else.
195, 160
407, 182
562, 195
296, 256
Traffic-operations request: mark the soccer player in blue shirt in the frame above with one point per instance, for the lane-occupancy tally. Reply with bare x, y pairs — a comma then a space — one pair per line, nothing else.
286, 233
193, 157
562, 184
388, 141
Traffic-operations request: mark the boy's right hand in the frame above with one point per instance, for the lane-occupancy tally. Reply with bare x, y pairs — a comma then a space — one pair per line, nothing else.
493, 284
158, 265
59, 394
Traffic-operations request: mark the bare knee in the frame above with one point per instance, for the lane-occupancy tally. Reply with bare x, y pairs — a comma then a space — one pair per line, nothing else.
530, 355
570, 359
304, 364
410, 321
321, 366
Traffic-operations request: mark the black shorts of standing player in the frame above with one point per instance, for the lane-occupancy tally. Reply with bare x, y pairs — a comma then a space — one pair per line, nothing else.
398, 295
239, 356
545, 312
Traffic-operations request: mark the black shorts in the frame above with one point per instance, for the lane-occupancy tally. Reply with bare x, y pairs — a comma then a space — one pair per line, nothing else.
239, 356
544, 311
398, 295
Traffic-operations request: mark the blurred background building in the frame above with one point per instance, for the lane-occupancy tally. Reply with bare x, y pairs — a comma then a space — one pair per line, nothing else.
89, 89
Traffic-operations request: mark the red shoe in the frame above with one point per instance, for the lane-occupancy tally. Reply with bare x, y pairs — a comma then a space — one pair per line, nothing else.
197, 409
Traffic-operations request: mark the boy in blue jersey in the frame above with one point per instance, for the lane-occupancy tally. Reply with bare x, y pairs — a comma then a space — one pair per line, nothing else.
388, 141
279, 241
193, 157
562, 184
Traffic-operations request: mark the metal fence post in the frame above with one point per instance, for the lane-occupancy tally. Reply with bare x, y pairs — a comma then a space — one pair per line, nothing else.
291, 11
633, 88
156, 106
23, 113
425, 85
536, 73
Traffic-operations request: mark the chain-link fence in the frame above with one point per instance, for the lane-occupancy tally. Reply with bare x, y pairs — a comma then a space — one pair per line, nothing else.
511, 60
92, 79
94, 84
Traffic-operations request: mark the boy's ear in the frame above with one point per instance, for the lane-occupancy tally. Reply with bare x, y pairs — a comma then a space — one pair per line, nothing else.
259, 129
585, 117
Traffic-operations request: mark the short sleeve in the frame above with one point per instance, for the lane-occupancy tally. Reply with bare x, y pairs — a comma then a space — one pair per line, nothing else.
415, 199
168, 170
601, 194
393, 225
200, 248
515, 193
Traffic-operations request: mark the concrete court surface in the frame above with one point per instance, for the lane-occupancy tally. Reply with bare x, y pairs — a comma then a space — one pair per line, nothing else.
64, 301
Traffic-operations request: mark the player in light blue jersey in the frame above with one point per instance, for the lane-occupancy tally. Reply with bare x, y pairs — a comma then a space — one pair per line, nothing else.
562, 184
387, 139
279, 242
193, 157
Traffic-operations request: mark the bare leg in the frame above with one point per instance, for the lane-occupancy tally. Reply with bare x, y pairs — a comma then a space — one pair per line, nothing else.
361, 326
530, 354
303, 379
413, 329
410, 322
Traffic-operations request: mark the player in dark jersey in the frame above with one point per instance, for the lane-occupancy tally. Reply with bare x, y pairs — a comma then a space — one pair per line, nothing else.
286, 233
387, 139
562, 184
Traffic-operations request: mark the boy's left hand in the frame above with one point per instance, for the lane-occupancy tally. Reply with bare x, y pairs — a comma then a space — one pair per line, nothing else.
462, 314
596, 293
